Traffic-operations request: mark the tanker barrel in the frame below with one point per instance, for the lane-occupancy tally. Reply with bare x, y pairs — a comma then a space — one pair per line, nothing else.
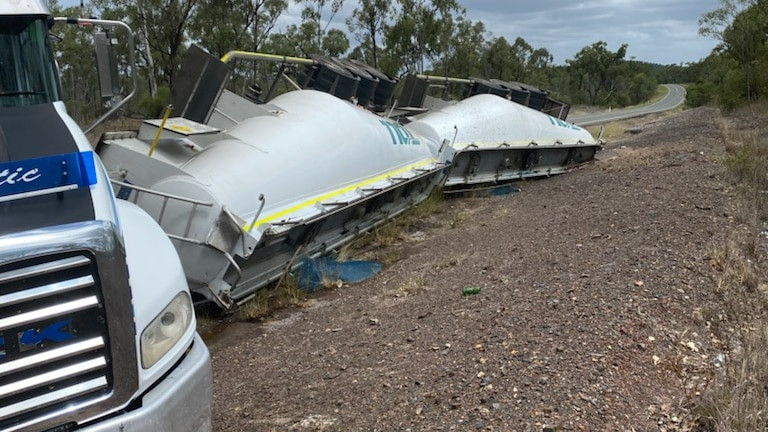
556, 108
385, 89
481, 86
516, 92
366, 88
332, 77
414, 92
306, 76
538, 97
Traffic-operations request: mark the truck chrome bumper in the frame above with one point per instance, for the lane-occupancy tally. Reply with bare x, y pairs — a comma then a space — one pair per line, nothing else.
180, 402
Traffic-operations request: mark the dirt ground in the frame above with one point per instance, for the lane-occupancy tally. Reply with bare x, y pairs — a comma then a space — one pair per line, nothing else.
588, 318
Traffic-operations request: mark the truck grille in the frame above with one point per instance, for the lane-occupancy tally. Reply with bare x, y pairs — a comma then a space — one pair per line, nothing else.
53, 336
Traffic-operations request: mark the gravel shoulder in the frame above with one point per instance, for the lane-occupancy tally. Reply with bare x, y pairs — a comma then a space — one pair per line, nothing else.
589, 315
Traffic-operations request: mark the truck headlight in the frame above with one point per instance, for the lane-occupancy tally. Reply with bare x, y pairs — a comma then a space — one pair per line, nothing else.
166, 329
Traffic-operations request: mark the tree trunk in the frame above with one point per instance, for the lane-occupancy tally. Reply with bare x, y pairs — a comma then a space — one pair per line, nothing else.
150, 61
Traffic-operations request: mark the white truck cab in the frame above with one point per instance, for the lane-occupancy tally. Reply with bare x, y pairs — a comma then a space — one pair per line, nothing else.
97, 328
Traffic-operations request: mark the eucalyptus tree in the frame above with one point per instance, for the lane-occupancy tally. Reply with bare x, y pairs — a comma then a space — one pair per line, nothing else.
741, 26
220, 26
162, 27
315, 23
420, 33
596, 72
224, 25
464, 55
367, 24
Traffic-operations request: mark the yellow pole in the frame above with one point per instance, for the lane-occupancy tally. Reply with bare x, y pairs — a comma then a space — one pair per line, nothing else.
160, 129
265, 57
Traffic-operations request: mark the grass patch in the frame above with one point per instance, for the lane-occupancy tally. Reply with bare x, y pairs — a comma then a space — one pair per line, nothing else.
658, 95
449, 261
613, 130
736, 398
409, 287
285, 293
746, 166
378, 243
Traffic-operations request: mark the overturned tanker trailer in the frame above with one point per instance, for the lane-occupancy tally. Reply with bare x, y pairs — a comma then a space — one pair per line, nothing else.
243, 189
502, 131
497, 140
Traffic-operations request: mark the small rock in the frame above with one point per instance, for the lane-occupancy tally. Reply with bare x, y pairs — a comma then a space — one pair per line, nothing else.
373, 321
719, 360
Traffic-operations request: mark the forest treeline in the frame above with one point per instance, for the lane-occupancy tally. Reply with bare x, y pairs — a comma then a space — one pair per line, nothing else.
736, 72
398, 37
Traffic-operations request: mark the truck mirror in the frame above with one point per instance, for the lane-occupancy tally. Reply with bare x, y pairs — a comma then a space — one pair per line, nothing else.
106, 63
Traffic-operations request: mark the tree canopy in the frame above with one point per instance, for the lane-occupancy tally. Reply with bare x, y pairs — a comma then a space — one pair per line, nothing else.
397, 37
737, 70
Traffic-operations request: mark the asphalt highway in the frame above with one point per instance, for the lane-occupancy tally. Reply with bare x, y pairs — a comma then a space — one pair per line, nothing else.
675, 96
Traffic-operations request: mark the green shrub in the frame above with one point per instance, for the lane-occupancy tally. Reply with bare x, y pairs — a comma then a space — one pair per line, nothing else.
152, 107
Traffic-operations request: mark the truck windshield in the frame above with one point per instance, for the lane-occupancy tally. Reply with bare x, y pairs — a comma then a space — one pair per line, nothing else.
28, 74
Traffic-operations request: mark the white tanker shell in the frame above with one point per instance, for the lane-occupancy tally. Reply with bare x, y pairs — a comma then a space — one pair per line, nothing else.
489, 121
315, 146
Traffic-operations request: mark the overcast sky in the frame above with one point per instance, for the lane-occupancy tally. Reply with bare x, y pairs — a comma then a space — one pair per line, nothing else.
657, 31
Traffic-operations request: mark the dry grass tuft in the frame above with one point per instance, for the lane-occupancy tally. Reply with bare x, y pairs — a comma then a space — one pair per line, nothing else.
409, 287
736, 398
286, 293
377, 245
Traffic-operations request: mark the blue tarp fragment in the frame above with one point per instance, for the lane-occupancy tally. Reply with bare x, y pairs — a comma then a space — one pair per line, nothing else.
313, 272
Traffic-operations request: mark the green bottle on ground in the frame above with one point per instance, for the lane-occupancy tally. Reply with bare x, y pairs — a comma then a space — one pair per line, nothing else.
472, 290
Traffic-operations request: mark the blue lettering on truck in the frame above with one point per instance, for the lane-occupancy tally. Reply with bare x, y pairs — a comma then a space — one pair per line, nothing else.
40, 176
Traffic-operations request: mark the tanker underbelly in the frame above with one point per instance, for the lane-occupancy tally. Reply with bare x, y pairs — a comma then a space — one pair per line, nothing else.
486, 166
